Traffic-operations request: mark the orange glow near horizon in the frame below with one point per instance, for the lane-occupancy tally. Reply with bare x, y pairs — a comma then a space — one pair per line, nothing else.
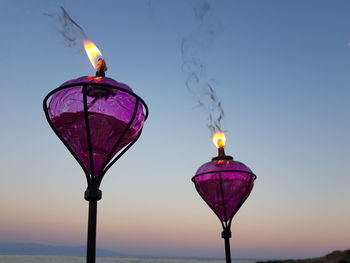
219, 139
93, 52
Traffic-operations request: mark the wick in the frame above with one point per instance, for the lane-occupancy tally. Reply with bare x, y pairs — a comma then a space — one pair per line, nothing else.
222, 155
221, 152
101, 67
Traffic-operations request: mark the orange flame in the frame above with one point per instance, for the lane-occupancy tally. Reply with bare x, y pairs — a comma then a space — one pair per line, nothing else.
93, 52
219, 139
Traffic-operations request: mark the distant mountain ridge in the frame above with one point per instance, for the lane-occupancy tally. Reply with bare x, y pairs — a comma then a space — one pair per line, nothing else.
41, 249
334, 257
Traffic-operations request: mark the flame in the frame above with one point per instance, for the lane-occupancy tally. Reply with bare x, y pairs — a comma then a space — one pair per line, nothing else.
92, 51
219, 139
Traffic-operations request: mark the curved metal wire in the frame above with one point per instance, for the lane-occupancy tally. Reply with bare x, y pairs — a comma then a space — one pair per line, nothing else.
91, 177
211, 207
246, 194
226, 224
88, 134
121, 153
219, 171
110, 155
62, 139
223, 198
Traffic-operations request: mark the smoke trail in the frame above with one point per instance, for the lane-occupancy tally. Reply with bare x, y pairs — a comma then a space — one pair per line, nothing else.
193, 48
72, 33
150, 4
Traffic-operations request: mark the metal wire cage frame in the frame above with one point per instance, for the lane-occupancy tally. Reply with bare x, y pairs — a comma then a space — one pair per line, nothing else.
109, 162
93, 193
226, 224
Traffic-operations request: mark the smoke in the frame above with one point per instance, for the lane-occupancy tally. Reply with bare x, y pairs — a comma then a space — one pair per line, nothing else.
193, 48
150, 4
71, 31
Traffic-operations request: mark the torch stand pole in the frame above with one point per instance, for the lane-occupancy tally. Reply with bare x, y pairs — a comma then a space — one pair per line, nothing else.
226, 235
92, 194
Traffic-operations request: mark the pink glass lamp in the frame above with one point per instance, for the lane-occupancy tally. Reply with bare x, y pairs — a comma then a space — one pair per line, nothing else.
224, 184
98, 119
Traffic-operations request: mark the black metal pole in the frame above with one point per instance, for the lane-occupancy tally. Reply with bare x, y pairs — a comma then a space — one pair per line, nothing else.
91, 238
92, 194
227, 250
226, 235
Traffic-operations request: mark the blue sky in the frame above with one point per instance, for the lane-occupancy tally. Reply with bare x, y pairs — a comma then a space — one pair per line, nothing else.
281, 70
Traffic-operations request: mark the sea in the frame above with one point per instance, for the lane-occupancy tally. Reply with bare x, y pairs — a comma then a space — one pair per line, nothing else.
74, 259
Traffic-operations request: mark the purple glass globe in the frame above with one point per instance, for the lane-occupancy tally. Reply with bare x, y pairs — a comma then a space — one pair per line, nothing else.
224, 184
95, 118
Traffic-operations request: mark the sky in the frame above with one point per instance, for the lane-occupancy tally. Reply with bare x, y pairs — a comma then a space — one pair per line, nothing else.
281, 71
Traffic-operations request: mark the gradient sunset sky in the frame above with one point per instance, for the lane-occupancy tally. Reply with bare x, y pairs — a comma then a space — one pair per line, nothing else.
282, 71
